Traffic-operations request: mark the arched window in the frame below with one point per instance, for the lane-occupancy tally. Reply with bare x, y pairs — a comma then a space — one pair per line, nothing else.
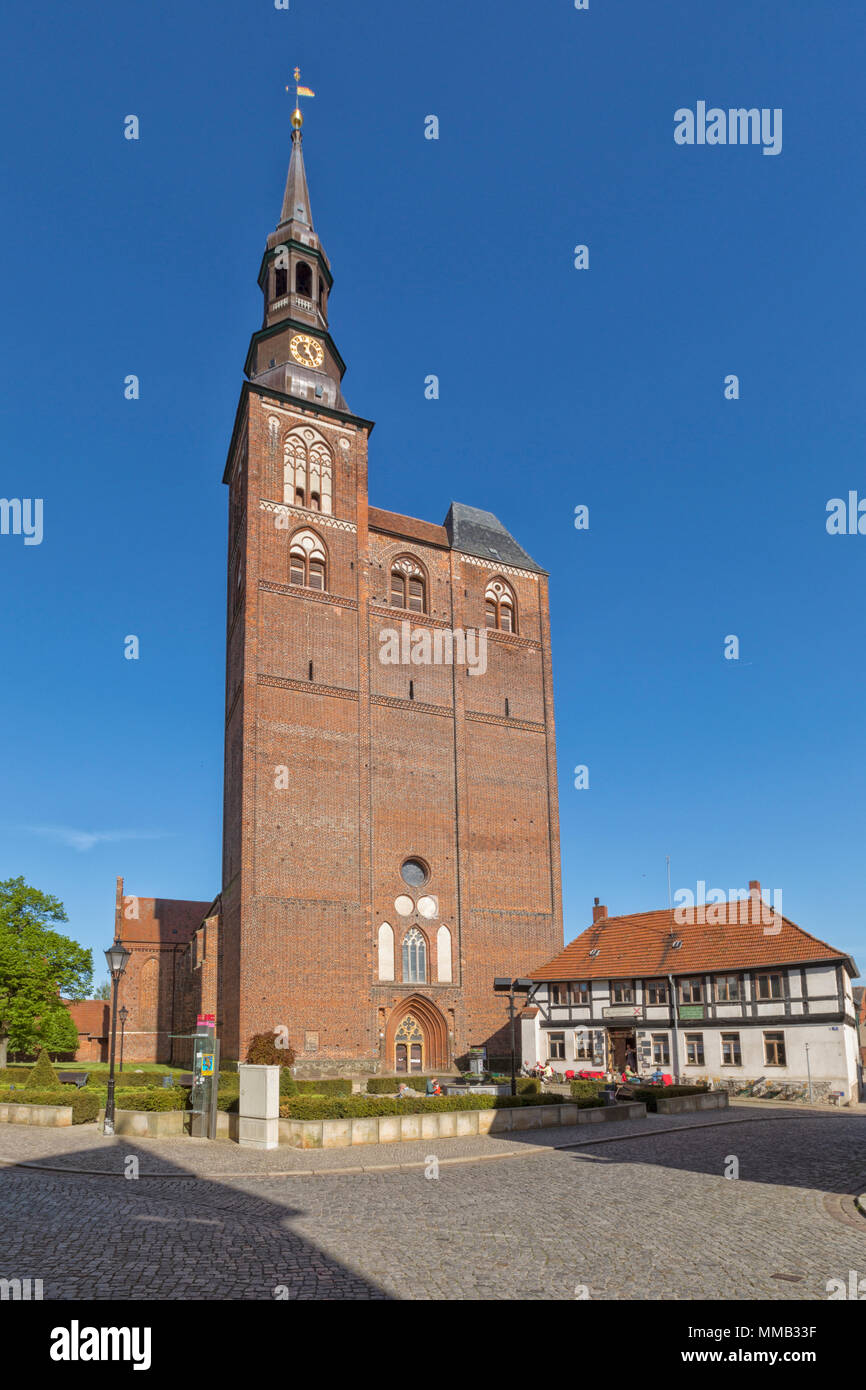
281, 281
500, 609
386, 952
443, 955
408, 585
307, 471
304, 280
414, 957
307, 563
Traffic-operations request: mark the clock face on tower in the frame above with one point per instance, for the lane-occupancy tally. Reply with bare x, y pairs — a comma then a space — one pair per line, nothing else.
306, 350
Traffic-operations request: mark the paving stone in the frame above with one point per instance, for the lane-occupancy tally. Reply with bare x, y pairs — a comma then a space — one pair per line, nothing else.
648, 1214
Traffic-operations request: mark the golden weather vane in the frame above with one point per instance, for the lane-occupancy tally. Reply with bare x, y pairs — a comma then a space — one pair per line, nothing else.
297, 114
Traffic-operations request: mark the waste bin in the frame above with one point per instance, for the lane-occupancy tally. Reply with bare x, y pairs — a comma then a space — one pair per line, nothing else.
609, 1093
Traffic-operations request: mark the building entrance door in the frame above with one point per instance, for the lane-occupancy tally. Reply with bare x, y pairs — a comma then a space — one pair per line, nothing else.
623, 1049
409, 1046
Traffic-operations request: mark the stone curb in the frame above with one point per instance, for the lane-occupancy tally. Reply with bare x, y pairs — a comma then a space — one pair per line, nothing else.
529, 1152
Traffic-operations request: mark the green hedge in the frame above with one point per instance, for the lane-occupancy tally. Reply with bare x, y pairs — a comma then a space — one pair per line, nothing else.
131, 1079
382, 1085
334, 1086
14, 1075
346, 1107
581, 1089
528, 1085
150, 1098
84, 1104
650, 1094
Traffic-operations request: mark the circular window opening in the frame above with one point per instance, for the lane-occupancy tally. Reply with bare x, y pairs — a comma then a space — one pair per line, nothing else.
414, 872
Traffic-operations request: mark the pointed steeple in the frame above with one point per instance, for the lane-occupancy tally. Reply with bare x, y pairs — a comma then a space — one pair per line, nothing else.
293, 351
296, 199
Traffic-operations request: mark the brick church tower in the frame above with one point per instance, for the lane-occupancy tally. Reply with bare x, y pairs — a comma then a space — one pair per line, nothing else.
391, 836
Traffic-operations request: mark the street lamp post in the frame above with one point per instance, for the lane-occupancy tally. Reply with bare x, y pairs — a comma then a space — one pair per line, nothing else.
116, 958
123, 1015
503, 985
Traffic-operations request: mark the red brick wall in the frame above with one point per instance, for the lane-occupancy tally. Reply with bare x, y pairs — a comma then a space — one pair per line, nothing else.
311, 870
91, 1018
157, 932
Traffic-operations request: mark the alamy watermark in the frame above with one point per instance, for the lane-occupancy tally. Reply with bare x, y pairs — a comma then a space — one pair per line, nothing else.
715, 907
22, 516
439, 647
736, 126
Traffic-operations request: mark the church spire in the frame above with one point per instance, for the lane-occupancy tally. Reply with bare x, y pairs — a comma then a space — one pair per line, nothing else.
296, 199
293, 351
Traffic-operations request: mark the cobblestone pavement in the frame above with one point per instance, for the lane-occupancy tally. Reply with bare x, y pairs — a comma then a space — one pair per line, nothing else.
649, 1216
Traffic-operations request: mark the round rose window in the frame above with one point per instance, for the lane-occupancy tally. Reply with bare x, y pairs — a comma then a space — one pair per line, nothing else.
414, 873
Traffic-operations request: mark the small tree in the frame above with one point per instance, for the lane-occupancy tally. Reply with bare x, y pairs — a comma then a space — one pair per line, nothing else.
43, 1077
262, 1051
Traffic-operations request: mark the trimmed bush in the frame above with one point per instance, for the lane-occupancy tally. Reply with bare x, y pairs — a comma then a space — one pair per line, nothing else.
350, 1107
585, 1089
288, 1085
84, 1104
382, 1085
130, 1080
528, 1085
150, 1098
262, 1051
650, 1094
43, 1077
333, 1086
14, 1076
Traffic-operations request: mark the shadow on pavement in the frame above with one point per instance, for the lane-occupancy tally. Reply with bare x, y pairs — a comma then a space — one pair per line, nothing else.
167, 1237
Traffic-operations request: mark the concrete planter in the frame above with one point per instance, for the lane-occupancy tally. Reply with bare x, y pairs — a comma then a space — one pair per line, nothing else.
683, 1105
51, 1115
445, 1124
148, 1124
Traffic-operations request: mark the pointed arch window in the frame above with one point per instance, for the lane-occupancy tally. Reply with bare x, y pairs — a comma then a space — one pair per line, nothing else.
408, 585
500, 608
307, 561
414, 957
308, 470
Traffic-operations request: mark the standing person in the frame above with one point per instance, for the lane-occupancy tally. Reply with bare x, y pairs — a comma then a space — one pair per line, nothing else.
630, 1059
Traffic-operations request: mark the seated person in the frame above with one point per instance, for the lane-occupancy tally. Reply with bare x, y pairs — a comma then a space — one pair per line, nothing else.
433, 1088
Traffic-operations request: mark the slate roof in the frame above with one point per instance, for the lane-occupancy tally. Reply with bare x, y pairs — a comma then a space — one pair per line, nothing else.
641, 945
475, 532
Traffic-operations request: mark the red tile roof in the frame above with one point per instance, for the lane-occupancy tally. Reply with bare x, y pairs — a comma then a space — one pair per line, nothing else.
171, 921
407, 527
642, 944
89, 1016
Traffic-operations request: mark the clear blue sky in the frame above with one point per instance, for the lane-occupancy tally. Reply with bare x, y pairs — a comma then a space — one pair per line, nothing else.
558, 387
